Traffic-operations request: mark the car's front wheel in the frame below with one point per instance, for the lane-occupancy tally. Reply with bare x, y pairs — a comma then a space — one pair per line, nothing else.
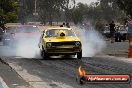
44, 54
79, 55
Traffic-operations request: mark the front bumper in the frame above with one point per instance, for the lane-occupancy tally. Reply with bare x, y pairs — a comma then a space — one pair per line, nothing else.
63, 51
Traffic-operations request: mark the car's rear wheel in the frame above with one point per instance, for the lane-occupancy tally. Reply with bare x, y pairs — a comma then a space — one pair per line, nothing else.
79, 55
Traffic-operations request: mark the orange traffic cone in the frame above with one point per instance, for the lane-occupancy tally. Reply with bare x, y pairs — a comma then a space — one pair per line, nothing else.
130, 48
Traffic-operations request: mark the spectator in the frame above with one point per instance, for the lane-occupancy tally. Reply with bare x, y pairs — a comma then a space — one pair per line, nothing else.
129, 24
117, 34
1, 33
112, 31
67, 25
63, 25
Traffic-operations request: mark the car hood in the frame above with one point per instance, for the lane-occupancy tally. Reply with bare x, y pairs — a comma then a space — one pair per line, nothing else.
67, 39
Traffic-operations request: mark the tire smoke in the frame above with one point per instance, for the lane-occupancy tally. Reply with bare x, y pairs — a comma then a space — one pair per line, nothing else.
92, 41
24, 49
27, 50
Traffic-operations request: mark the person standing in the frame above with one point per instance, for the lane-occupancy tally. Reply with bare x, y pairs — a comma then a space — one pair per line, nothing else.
112, 31
2, 22
63, 25
129, 25
67, 25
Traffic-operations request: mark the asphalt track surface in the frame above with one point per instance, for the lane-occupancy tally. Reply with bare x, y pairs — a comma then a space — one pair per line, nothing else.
20, 72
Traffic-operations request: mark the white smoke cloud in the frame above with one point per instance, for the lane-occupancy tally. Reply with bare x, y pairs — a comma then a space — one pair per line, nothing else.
28, 49
92, 44
92, 41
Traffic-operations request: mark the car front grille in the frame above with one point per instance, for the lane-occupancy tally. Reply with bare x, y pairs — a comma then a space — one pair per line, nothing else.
63, 43
61, 50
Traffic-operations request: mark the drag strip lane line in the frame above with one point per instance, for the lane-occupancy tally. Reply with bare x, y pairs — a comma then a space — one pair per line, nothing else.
3, 84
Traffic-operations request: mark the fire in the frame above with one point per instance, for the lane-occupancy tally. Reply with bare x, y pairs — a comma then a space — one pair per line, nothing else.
82, 72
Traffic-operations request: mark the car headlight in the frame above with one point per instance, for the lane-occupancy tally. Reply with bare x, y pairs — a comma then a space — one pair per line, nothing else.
77, 44
48, 45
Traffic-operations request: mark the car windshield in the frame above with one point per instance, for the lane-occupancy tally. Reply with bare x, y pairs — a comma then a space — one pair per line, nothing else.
27, 29
10, 30
53, 32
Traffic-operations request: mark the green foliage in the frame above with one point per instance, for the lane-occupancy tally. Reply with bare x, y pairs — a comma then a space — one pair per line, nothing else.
99, 13
53, 10
11, 17
49, 9
111, 10
8, 10
125, 5
79, 12
99, 25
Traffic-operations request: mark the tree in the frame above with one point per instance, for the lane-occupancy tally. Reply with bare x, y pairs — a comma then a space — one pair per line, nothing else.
79, 12
26, 10
49, 9
98, 13
8, 10
68, 6
125, 5
111, 10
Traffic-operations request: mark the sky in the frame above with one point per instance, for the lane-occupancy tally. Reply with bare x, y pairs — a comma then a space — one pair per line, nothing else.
85, 1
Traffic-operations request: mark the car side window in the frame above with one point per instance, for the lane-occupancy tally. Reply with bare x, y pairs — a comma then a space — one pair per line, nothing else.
43, 34
50, 33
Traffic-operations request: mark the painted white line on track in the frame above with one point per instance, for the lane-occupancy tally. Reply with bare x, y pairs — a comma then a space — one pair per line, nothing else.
3, 84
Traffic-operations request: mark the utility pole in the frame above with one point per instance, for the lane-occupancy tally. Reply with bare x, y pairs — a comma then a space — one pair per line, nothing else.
35, 5
35, 8
21, 12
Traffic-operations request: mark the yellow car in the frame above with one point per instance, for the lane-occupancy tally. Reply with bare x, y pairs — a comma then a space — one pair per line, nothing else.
60, 41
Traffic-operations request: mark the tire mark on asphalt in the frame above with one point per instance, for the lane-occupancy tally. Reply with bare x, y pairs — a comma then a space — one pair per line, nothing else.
97, 66
73, 65
69, 67
114, 66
